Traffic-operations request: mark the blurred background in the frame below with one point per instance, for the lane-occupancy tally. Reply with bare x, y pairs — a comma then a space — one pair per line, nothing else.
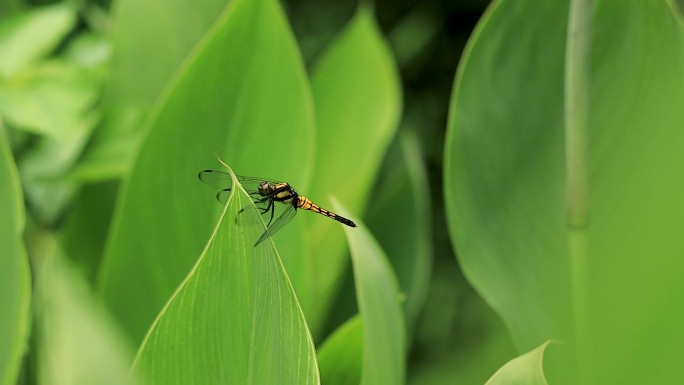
457, 333
458, 337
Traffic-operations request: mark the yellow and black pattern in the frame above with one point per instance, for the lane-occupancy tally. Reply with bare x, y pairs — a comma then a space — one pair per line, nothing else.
270, 197
305, 203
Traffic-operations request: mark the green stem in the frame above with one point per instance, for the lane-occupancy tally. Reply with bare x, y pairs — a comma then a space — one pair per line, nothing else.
577, 111
576, 152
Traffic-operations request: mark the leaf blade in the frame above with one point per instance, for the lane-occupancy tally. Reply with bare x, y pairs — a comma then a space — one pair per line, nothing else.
254, 330
223, 92
377, 292
524, 369
15, 278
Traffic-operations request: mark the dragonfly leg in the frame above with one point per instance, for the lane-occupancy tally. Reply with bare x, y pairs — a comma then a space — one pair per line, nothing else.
272, 212
265, 210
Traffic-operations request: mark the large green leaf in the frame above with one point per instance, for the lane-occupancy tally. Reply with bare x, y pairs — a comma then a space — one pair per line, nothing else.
245, 96
148, 50
358, 104
377, 293
14, 270
138, 76
506, 189
234, 319
504, 174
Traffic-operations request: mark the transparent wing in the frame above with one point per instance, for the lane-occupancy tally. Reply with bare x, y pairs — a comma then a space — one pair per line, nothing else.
222, 180
284, 218
267, 209
275, 214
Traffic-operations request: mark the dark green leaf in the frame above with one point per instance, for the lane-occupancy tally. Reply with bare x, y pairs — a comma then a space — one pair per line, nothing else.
358, 105
340, 358
400, 219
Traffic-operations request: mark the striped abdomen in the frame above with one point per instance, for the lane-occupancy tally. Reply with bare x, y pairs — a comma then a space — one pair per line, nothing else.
305, 203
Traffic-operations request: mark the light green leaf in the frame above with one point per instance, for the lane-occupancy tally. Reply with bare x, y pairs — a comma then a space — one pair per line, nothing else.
340, 358
51, 99
526, 369
234, 319
28, 36
15, 281
245, 96
79, 343
90, 50
504, 173
138, 79
54, 100
358, 105
377, 293
400, 220
505, 184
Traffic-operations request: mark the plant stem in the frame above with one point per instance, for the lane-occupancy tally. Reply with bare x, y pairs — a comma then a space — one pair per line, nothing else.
576, 153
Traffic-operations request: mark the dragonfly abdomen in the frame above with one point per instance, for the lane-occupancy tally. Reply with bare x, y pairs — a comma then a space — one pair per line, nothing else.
305, 203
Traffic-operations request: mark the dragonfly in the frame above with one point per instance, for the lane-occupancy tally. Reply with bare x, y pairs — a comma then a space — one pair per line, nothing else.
270, 197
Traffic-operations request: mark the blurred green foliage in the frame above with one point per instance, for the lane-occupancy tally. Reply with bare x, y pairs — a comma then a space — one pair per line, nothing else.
109, 109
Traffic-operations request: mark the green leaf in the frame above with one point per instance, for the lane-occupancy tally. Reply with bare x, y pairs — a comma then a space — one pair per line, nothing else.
377, 293
526, 369
358, 105
340, 358
245, 96
91, 214
51, 99
28, 36
54, 100
78, 342
234, 319
15, 281
400, 220
504, 176
505, 185
138, 79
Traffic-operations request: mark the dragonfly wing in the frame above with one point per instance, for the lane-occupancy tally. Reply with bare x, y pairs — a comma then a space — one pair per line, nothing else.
284, 218
220, 179
249, 214
213, 178
223, 181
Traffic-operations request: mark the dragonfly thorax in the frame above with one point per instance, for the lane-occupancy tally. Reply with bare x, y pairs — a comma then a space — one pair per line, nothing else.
265, 189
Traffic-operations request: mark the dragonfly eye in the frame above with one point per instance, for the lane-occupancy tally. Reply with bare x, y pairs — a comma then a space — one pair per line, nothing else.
265, 188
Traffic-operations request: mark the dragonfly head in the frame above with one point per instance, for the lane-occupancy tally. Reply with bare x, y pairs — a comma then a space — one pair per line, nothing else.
265, 188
